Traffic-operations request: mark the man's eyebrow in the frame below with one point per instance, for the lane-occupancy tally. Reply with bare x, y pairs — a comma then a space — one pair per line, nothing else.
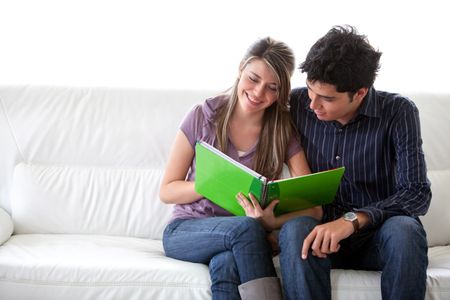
323, 96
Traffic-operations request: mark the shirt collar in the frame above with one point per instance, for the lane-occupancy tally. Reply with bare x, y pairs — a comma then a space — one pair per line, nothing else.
370, 106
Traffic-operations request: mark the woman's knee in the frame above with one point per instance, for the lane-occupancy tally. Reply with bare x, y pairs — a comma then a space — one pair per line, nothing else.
250, 227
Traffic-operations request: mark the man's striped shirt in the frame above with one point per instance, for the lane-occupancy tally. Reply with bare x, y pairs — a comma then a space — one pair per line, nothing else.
381, 149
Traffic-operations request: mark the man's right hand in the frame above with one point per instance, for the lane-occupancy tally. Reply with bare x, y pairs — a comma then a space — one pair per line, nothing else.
324, 238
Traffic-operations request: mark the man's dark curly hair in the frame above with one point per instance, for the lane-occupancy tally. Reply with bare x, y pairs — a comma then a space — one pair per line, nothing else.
342, 58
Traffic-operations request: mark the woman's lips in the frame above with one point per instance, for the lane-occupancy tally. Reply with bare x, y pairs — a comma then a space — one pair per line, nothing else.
253, 101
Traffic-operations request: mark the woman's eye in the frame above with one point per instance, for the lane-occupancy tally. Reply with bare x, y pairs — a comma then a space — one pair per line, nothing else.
273, 88
252, 78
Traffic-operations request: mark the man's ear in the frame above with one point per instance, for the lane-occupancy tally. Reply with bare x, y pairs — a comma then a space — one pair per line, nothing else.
360, 94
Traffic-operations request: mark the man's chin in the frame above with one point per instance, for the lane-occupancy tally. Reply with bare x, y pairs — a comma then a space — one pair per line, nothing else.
321, 117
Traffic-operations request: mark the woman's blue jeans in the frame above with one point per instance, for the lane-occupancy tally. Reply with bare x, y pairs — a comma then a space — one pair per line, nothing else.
235, 248
398, 248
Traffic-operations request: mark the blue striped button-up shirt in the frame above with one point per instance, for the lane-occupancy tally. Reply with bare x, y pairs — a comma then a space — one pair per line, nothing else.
381, 149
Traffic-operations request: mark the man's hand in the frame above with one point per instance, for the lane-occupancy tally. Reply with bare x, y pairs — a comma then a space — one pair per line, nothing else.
253, 209
324, 239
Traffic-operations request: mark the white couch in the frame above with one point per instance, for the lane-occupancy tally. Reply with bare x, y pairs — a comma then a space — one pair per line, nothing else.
80, 216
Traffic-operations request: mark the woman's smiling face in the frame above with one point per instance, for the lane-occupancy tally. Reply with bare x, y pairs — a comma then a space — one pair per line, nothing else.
258, 86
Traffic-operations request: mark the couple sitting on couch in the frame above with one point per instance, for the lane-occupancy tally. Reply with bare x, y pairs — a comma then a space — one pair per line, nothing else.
341, 120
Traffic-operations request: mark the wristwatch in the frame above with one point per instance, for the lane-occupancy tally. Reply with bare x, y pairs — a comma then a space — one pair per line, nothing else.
352, 217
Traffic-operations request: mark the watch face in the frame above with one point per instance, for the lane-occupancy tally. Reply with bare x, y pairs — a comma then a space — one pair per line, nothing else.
350, 216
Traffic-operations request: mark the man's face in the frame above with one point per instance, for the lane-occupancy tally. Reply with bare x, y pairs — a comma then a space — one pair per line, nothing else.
330, 105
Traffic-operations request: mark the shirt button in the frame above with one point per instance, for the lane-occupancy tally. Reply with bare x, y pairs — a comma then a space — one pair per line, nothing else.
338, 157
340, 130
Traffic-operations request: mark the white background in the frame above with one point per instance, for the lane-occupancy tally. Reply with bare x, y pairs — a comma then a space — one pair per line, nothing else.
198, 44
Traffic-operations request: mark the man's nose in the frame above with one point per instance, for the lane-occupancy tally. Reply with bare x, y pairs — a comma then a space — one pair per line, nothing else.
314, 103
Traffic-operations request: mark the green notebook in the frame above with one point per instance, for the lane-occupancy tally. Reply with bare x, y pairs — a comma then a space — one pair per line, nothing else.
219, 178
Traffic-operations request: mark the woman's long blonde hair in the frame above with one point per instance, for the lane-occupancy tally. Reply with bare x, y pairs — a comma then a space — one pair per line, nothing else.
277, 129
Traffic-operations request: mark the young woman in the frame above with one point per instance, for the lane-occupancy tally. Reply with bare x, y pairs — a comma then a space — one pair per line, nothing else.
251, 124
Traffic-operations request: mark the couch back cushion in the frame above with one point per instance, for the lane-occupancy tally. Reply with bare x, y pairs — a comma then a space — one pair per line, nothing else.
88, 200
88, 160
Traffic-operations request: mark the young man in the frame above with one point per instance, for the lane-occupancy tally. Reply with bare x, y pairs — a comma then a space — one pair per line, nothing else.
373, 223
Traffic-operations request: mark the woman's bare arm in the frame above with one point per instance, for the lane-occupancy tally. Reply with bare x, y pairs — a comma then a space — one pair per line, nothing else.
174, 188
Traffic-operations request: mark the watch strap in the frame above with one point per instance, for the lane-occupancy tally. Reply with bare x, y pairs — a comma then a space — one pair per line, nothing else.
355, 224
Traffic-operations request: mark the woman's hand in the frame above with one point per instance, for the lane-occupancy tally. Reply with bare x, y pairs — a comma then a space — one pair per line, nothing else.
253, 209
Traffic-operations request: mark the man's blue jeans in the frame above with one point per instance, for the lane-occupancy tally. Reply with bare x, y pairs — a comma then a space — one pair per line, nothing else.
398, 248
235, 248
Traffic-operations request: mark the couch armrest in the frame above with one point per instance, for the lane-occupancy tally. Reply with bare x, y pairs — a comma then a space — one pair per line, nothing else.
6, 226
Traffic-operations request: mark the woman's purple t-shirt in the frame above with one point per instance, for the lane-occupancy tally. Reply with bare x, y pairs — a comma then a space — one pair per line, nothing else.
199, 125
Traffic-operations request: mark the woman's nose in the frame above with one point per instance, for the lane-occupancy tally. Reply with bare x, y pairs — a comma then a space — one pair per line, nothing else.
259, 90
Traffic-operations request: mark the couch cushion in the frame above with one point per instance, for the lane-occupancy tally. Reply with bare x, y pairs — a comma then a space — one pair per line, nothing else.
434, 110
6, 226
437, 219
438, 273
81, 267
90, 200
